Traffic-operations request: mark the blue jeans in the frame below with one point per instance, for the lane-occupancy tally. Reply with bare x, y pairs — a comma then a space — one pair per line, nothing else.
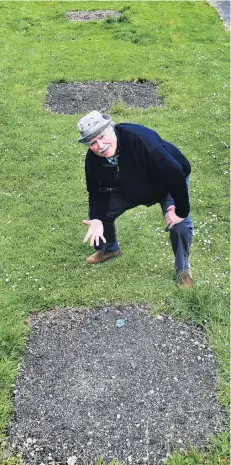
180, 234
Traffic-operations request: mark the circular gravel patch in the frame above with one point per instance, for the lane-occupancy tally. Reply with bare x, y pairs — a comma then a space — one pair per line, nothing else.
114, 383
79, 97
90, 15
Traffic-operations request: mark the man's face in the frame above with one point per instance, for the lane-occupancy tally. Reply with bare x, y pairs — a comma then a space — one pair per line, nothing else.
105, 144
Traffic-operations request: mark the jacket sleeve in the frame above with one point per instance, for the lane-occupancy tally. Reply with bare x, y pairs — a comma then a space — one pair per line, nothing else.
98, 205
98, 201
171, 174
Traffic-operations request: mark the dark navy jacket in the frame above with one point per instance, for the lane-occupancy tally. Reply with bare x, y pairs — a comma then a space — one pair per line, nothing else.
148, 169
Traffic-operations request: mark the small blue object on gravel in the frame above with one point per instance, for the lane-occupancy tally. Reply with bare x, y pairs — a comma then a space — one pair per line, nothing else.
120, 323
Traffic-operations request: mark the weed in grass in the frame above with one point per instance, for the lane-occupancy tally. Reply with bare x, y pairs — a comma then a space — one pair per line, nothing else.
125, 8
217, 453
202, 305
109, 20
9, 459
131, 34
123, 19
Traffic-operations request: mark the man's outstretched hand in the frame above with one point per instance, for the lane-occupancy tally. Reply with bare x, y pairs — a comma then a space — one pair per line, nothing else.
95, 232
171, 217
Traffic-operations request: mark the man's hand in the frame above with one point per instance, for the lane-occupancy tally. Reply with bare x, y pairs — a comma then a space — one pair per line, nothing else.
171, 217
95, 232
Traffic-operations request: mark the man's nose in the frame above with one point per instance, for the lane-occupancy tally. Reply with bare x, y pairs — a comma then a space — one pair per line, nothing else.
100, 144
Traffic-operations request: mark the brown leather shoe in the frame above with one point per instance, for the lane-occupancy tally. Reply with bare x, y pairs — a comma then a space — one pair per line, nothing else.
184, 279
100, 256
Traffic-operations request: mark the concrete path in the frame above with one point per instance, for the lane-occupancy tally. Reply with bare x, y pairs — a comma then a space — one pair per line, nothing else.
223, 8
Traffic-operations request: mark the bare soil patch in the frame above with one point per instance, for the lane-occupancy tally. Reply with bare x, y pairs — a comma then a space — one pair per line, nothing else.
90, 387
80, 97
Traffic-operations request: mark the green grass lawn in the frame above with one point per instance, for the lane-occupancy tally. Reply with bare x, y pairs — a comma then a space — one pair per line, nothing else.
183, 47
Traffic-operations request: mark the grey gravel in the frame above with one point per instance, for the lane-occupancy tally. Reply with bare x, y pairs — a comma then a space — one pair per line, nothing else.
88, 389
78, 97
88, 15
